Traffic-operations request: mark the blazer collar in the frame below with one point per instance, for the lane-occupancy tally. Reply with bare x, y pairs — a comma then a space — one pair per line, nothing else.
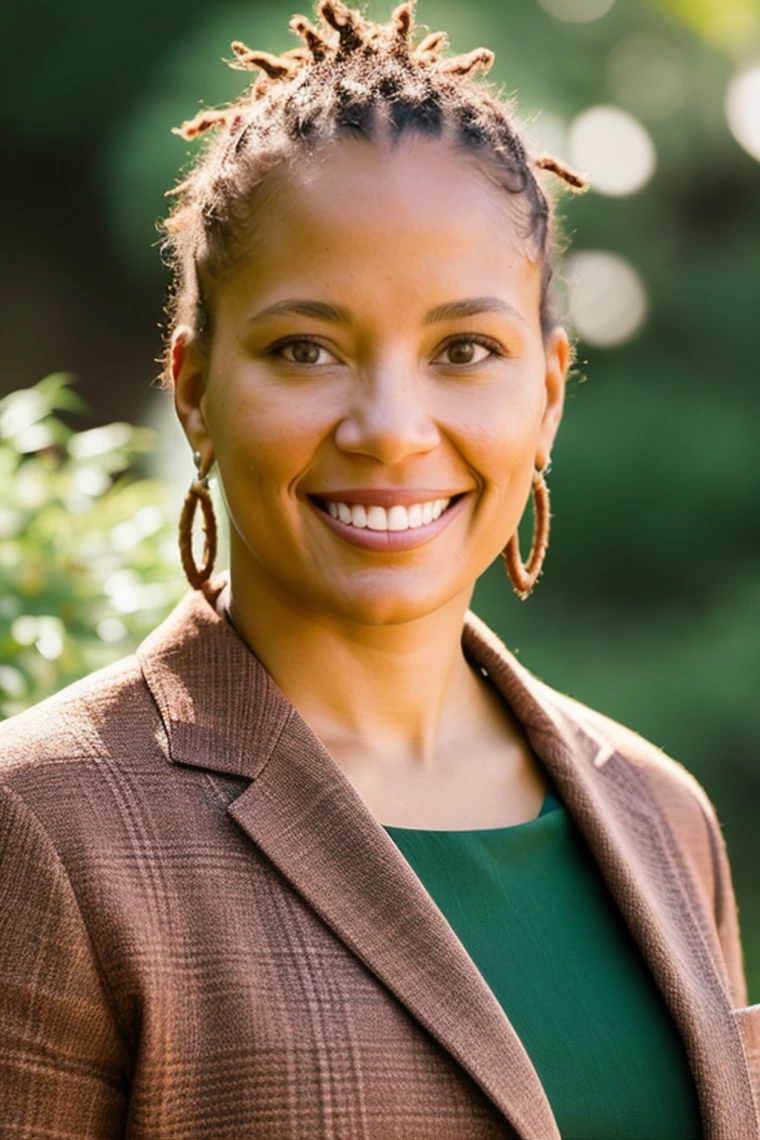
221, 710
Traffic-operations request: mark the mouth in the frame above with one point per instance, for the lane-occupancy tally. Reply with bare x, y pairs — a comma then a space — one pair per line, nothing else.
391, 519
387, 529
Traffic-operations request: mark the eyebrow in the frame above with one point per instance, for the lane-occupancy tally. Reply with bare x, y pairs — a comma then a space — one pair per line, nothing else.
340, 315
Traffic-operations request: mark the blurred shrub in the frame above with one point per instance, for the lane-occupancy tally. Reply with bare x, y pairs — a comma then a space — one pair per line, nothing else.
88, 561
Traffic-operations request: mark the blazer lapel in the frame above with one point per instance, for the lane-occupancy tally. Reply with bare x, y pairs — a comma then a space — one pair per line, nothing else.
638, 859
304, 814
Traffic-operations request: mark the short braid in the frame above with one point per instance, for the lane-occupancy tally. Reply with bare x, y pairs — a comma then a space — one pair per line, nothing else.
315, 41
548, 162
432, 45
401, 21
333, 85
276, 67
480, 58
203, 121
350, 25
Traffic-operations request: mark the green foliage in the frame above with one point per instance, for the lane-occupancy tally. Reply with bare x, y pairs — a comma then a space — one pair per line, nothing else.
88, 562
730, 24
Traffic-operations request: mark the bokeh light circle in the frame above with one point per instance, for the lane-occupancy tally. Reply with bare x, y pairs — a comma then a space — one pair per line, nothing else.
577, 11
743, 109
607, 297
645, 73
614, 148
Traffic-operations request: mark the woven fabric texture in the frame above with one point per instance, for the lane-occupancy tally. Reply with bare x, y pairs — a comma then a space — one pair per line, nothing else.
205, 935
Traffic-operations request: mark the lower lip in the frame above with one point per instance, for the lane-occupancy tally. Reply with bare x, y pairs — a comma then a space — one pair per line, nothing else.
389, 541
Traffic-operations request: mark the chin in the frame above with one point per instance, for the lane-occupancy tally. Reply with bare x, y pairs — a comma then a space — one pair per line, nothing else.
377, 605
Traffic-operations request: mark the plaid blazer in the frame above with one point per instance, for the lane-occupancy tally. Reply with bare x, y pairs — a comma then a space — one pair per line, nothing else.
205, 935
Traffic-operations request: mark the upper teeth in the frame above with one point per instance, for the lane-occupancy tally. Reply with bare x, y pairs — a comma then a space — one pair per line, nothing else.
392, 518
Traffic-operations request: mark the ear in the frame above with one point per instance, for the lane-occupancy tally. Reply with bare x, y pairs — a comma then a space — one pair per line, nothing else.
557, 355
189, 376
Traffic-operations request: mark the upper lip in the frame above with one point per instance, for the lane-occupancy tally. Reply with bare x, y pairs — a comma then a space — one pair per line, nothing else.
384, 497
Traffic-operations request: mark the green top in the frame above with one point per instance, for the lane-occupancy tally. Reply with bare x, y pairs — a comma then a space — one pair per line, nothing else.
530, 905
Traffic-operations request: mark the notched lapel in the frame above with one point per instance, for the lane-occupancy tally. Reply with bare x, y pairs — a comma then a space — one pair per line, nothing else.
222, 711
638, 858
306, 816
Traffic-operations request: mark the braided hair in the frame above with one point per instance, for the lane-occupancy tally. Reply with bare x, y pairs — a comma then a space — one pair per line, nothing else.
350, 78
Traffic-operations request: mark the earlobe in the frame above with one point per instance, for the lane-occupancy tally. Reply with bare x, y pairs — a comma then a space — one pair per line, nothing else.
188, 374
557, 364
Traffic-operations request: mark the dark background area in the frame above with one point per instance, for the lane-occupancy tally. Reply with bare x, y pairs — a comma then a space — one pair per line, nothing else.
649, 608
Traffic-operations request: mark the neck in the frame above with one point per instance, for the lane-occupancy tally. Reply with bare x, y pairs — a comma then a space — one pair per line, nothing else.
396, 694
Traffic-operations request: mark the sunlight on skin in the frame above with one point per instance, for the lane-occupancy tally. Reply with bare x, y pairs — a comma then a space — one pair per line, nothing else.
385, 400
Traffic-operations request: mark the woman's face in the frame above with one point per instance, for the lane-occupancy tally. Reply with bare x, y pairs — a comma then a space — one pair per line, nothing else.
379, 349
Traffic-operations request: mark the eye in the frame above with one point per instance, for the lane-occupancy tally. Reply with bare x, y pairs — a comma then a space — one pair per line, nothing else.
305, 351
463, 350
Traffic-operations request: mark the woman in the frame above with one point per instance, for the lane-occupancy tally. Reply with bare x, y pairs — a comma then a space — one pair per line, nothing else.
321, 859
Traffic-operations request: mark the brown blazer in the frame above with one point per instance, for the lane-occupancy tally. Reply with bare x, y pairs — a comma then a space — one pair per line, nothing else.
205, 935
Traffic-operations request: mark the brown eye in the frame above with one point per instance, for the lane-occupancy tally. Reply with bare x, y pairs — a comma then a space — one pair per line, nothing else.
304, 351
465, 351
462, 353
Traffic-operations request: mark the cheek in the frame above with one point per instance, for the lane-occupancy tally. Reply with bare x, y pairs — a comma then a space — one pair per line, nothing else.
498, 429
264, 438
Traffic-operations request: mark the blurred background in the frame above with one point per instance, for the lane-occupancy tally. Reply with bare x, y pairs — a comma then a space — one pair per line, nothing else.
649, 607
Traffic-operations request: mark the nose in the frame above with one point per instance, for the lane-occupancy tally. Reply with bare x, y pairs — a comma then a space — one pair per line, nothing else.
389, 418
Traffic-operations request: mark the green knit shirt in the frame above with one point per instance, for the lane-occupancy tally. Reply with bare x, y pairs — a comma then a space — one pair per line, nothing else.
530, 905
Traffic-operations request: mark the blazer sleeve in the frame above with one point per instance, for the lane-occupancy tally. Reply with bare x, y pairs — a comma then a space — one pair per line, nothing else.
63, 1063
726, 909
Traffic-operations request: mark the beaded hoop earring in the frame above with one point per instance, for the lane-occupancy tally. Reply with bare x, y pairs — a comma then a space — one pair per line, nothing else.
198, 493
524, 576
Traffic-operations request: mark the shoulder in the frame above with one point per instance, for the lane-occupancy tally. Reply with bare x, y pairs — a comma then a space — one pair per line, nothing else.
106, 714
80, 773
594, 737
670, 786
687, 821
635, 773
685, 814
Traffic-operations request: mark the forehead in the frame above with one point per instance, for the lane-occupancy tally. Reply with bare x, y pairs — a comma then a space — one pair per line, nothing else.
420, 217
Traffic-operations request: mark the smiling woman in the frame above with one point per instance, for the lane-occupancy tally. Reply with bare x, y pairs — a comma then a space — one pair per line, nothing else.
417, 373
322, 859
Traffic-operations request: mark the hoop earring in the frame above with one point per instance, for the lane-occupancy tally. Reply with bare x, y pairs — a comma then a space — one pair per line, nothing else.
198, 493
524, 577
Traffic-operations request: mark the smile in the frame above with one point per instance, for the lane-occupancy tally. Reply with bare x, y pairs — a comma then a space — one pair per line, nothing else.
396, 517
396, 526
